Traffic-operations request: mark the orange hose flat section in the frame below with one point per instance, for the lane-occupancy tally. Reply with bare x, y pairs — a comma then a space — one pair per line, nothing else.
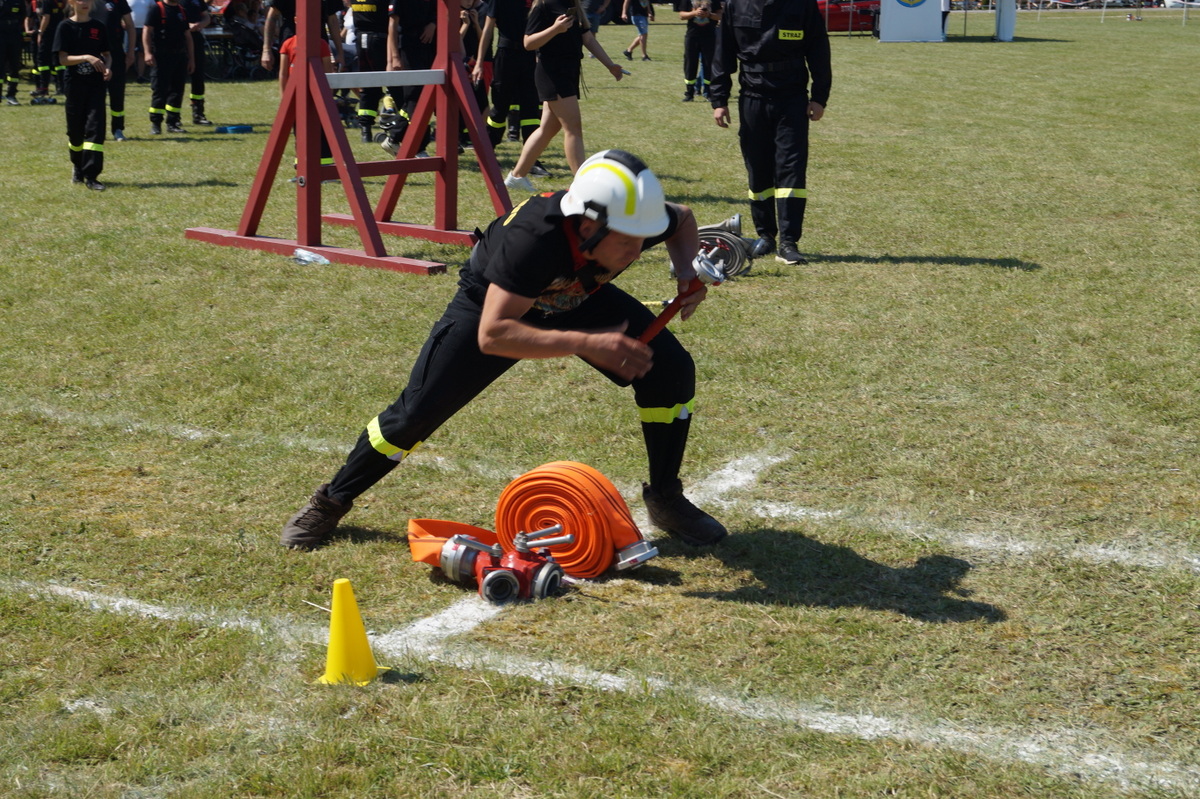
579, 498
427, 536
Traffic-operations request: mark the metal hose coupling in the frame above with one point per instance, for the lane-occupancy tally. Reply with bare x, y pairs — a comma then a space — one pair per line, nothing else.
581, 528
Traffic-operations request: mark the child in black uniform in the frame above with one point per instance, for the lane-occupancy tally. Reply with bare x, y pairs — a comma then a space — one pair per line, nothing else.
167, 41
82, 46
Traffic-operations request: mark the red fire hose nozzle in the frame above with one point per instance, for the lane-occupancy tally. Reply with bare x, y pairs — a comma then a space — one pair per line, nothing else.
708, 273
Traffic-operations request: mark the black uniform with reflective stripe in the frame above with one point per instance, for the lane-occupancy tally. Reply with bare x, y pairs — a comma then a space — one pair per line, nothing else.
775, 46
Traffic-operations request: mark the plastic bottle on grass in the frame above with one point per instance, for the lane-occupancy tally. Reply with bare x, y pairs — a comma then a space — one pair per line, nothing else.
309, 257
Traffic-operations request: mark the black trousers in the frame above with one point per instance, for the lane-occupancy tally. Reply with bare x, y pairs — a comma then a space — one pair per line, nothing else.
513, 88
167, 80
698, 42
200, 56
85, 125
774, 141
450, 371
10, 57
116, 90
372, 57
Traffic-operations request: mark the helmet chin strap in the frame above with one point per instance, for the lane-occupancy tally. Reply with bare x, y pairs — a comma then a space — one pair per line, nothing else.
593, 210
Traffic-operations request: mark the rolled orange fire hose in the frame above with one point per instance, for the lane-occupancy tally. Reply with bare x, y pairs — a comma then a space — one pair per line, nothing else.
572, 494
579, 498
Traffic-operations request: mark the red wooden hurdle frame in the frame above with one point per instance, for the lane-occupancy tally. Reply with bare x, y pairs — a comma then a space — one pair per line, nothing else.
308, 106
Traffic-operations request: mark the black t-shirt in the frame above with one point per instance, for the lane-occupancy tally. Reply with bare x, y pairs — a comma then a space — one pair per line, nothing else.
413, 16
287, 12
370, 16
510, 16
639, 8
566, 46
55, 10
532, 253
82, 38
171, 31
110, 14
12, 14
714, 6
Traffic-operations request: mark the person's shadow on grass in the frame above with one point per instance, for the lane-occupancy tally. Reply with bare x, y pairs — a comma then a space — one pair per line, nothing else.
792, 569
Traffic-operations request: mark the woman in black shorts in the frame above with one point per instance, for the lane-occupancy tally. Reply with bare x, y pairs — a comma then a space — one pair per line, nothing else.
558, 31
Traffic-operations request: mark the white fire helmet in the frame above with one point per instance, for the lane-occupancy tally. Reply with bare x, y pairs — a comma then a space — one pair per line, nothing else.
619, 191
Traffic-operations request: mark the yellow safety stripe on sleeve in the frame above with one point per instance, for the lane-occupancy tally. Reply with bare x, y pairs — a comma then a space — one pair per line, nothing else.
630, 189
791, 192
765, 194
382, 445
404, 115
93, 146
667, 415
512, 214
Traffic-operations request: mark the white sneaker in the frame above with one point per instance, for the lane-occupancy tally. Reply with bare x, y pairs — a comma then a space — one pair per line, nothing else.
514, 182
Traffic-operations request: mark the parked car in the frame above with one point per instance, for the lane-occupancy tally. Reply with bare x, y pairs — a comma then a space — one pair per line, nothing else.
849, 15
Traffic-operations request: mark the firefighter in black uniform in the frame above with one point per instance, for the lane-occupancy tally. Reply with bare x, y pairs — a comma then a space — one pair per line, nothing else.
81, 45
13, 14
199, 19
371, 39
411, 45
512, 70
167, 42
50, 14
538, 285
699, 40
117, 18
776, 46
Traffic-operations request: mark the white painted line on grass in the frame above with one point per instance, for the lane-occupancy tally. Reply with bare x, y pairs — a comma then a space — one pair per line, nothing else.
715, 490
1063, 751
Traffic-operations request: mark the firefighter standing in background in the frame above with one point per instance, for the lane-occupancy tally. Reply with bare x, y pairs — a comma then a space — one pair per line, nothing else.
411, 45
81, 46
512, 71
117, 18
699, 40
371, 39
198, 20
50, 14
776, 46
13, 14
167, 42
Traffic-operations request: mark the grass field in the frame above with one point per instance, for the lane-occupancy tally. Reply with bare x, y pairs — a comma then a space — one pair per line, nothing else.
956, 454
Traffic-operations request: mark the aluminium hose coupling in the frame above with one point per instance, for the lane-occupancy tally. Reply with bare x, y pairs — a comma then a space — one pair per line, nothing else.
528, 572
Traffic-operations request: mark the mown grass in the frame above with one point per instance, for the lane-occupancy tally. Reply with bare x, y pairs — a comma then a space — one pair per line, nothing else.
980, 400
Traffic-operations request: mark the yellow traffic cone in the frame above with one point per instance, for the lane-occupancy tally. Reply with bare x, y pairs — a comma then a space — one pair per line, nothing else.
349, 659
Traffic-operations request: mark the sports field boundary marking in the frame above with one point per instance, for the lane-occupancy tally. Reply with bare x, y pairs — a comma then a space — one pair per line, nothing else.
738, 475
1065, 752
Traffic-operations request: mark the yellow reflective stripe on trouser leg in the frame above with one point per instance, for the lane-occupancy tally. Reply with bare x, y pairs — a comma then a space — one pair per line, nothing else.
791, 193
765, 194
382, 445
668, 415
